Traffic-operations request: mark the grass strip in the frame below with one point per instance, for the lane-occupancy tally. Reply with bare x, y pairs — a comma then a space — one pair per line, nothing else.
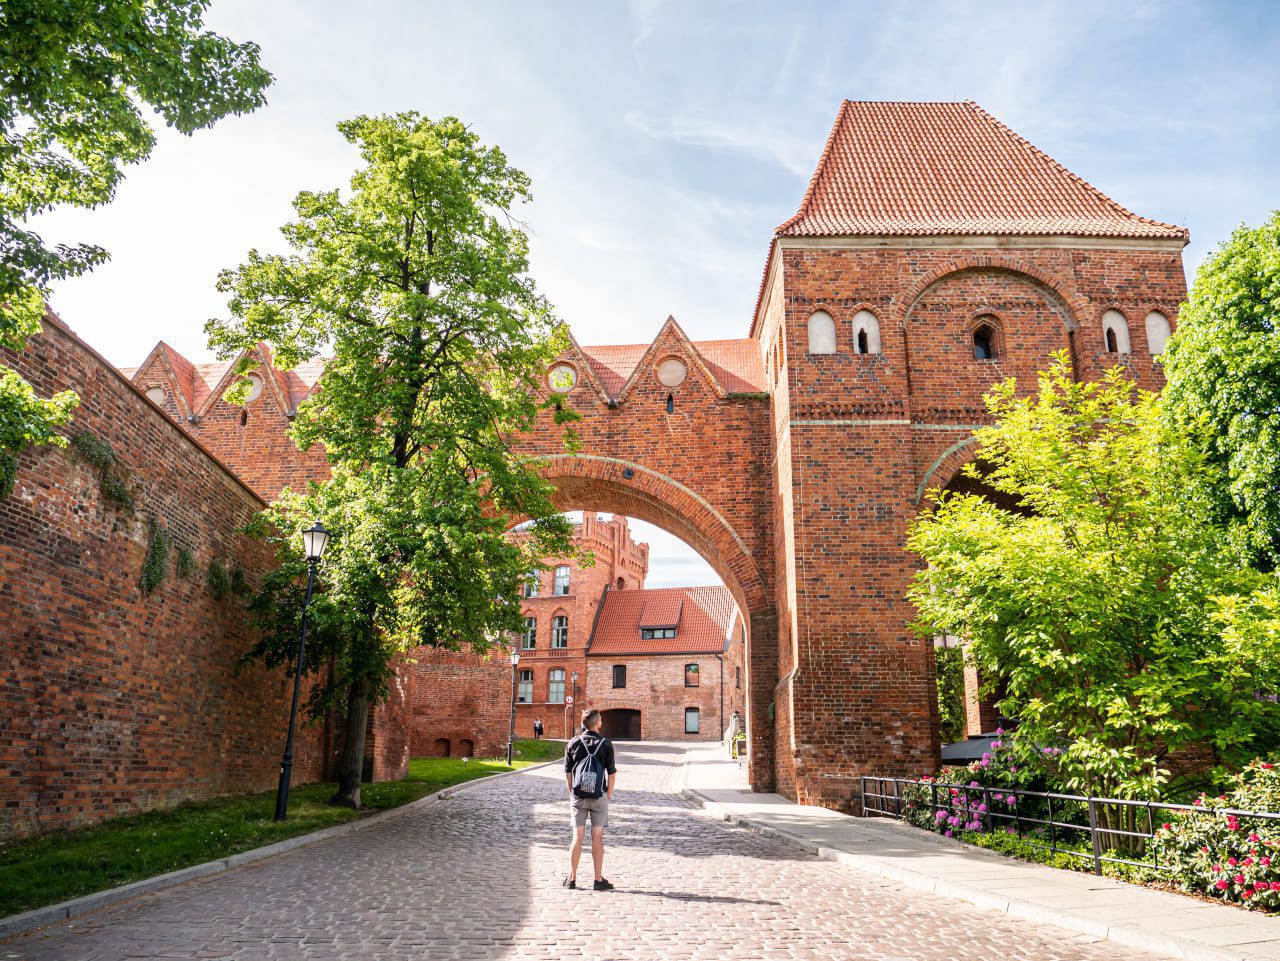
69, 864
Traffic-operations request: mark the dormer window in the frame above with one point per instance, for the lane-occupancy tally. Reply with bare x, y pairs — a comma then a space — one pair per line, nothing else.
656, 633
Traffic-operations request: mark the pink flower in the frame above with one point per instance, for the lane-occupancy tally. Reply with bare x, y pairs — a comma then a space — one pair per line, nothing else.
1000, 730
1275, 885
1232, 861
1238, 879
973, 784
1248, 893
1266, 765
1254, 838
1248, 862
1166, 827
939, 815
982, 808
1217, 869
1266, 862
949, 834
1220, 885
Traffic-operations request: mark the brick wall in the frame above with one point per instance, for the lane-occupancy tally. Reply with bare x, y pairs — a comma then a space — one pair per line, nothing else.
114, 701
656, 688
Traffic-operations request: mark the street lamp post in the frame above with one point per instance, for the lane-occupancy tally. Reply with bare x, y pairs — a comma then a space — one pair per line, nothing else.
567, 712
511, 729
314, 539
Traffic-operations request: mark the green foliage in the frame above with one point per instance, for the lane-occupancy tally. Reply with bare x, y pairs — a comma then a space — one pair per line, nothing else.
156, 564
539, 749
417, 284
951, 713
1103, 609
186, 562
74, 75
1225, 855
66, 865
239, 581
218, 580
26, 419
98, 453
1223, 365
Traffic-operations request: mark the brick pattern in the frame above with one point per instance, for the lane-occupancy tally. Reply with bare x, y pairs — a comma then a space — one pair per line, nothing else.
116, 702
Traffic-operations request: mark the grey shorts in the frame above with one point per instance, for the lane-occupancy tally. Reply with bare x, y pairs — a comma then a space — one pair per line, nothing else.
597, 808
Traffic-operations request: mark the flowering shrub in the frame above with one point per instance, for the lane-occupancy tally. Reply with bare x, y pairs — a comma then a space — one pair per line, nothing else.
1228, 856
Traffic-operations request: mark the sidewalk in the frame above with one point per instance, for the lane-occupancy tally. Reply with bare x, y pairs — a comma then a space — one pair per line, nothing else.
1157, 921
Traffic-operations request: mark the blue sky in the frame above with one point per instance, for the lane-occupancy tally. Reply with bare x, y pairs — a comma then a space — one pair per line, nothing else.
666, 140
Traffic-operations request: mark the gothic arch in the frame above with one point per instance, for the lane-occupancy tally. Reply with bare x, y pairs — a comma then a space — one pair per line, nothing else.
947, 466
612, 485
1059, 291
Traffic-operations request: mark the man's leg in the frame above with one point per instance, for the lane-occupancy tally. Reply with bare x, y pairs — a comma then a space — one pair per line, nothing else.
575, 851
597, 850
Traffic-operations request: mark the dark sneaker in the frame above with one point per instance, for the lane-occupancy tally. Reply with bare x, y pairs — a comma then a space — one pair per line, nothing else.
602, 885
569, 883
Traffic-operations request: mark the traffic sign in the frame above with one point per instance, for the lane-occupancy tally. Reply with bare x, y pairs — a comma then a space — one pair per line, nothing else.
569, 699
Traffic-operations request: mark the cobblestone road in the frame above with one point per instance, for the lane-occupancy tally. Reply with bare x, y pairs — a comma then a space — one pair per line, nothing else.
478, 877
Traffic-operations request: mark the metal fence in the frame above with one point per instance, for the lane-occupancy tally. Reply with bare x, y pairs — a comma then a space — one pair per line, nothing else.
1095, 829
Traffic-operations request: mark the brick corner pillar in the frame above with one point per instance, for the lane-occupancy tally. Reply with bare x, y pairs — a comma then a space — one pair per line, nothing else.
762, 676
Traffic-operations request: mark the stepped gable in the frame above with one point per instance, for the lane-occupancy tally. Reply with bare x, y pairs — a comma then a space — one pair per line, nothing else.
922, 169
729, 366
200, 386
703, 619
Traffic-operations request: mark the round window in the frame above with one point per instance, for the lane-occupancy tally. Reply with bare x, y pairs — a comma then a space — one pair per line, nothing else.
562, 378
156, 395
672, 372
255, 388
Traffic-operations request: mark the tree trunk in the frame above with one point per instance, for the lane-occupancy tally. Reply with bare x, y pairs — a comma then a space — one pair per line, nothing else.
351, 767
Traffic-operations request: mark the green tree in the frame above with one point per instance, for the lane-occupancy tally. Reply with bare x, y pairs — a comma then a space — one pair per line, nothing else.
1223, 366
1101, 606
417, 283
74, 75
951, 714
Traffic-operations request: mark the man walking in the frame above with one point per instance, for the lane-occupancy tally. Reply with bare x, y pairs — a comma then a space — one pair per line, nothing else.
587, 760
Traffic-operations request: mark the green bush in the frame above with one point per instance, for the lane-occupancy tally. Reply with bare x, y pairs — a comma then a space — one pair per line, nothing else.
155, 565
951, 715
1231, 857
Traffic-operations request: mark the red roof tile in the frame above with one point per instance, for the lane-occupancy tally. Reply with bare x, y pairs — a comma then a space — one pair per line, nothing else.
911, 169
705, 621
662, 609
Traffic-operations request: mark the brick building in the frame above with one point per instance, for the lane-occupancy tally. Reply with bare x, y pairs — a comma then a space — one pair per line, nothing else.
934, 253
666, 664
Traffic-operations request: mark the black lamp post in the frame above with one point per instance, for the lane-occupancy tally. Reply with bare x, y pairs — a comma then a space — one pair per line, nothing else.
511, 729
575, 705
314, 539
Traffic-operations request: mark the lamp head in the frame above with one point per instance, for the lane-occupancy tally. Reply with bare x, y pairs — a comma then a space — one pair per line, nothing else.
315, 539
515, 658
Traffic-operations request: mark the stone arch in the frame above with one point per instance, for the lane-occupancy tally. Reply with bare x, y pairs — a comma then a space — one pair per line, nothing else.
1058, 290
442, 747
467, 747
612, 485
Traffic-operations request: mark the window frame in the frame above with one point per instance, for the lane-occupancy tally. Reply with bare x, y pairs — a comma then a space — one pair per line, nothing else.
561, 582
560, 632
529, 638
524, 678
691, 669
619, 670
552, 681
696, 714
657, 633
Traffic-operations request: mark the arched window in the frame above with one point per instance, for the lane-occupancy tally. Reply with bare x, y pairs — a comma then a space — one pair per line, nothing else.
1157, 332
822, 333
1115, 332
560, 631
984, 343
866, 332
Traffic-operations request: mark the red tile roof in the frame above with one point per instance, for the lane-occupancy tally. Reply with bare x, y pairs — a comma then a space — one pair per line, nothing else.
911, 169
662, 609
705, 620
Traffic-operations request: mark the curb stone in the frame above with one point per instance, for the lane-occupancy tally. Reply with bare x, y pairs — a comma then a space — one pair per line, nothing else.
1169, 945
65, 910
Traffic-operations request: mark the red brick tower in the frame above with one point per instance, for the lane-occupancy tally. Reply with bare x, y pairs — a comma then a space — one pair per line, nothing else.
935, 253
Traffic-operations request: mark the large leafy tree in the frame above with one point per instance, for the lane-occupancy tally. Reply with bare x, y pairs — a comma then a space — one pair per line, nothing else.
416, 286
74, 76
1108, 607
1223, 366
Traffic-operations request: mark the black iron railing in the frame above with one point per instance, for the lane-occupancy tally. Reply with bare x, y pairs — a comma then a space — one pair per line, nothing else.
1094, 829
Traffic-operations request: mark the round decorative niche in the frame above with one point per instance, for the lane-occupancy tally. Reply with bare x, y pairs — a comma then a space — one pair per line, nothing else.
561, 378
255, 388
672, 372
156, 395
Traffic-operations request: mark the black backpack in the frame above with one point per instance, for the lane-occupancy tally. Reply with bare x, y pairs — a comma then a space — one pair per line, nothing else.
589, 773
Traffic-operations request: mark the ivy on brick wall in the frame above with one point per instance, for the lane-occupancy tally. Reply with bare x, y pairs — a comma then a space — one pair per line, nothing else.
156, 564
186, 562
98, 453
219, 580
8, 473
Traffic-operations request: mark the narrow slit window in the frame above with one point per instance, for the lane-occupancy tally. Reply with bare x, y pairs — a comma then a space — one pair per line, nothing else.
1112, 346
671, 404
863, 347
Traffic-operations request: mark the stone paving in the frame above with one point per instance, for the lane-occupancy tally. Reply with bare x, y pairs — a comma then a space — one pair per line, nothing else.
478, 876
